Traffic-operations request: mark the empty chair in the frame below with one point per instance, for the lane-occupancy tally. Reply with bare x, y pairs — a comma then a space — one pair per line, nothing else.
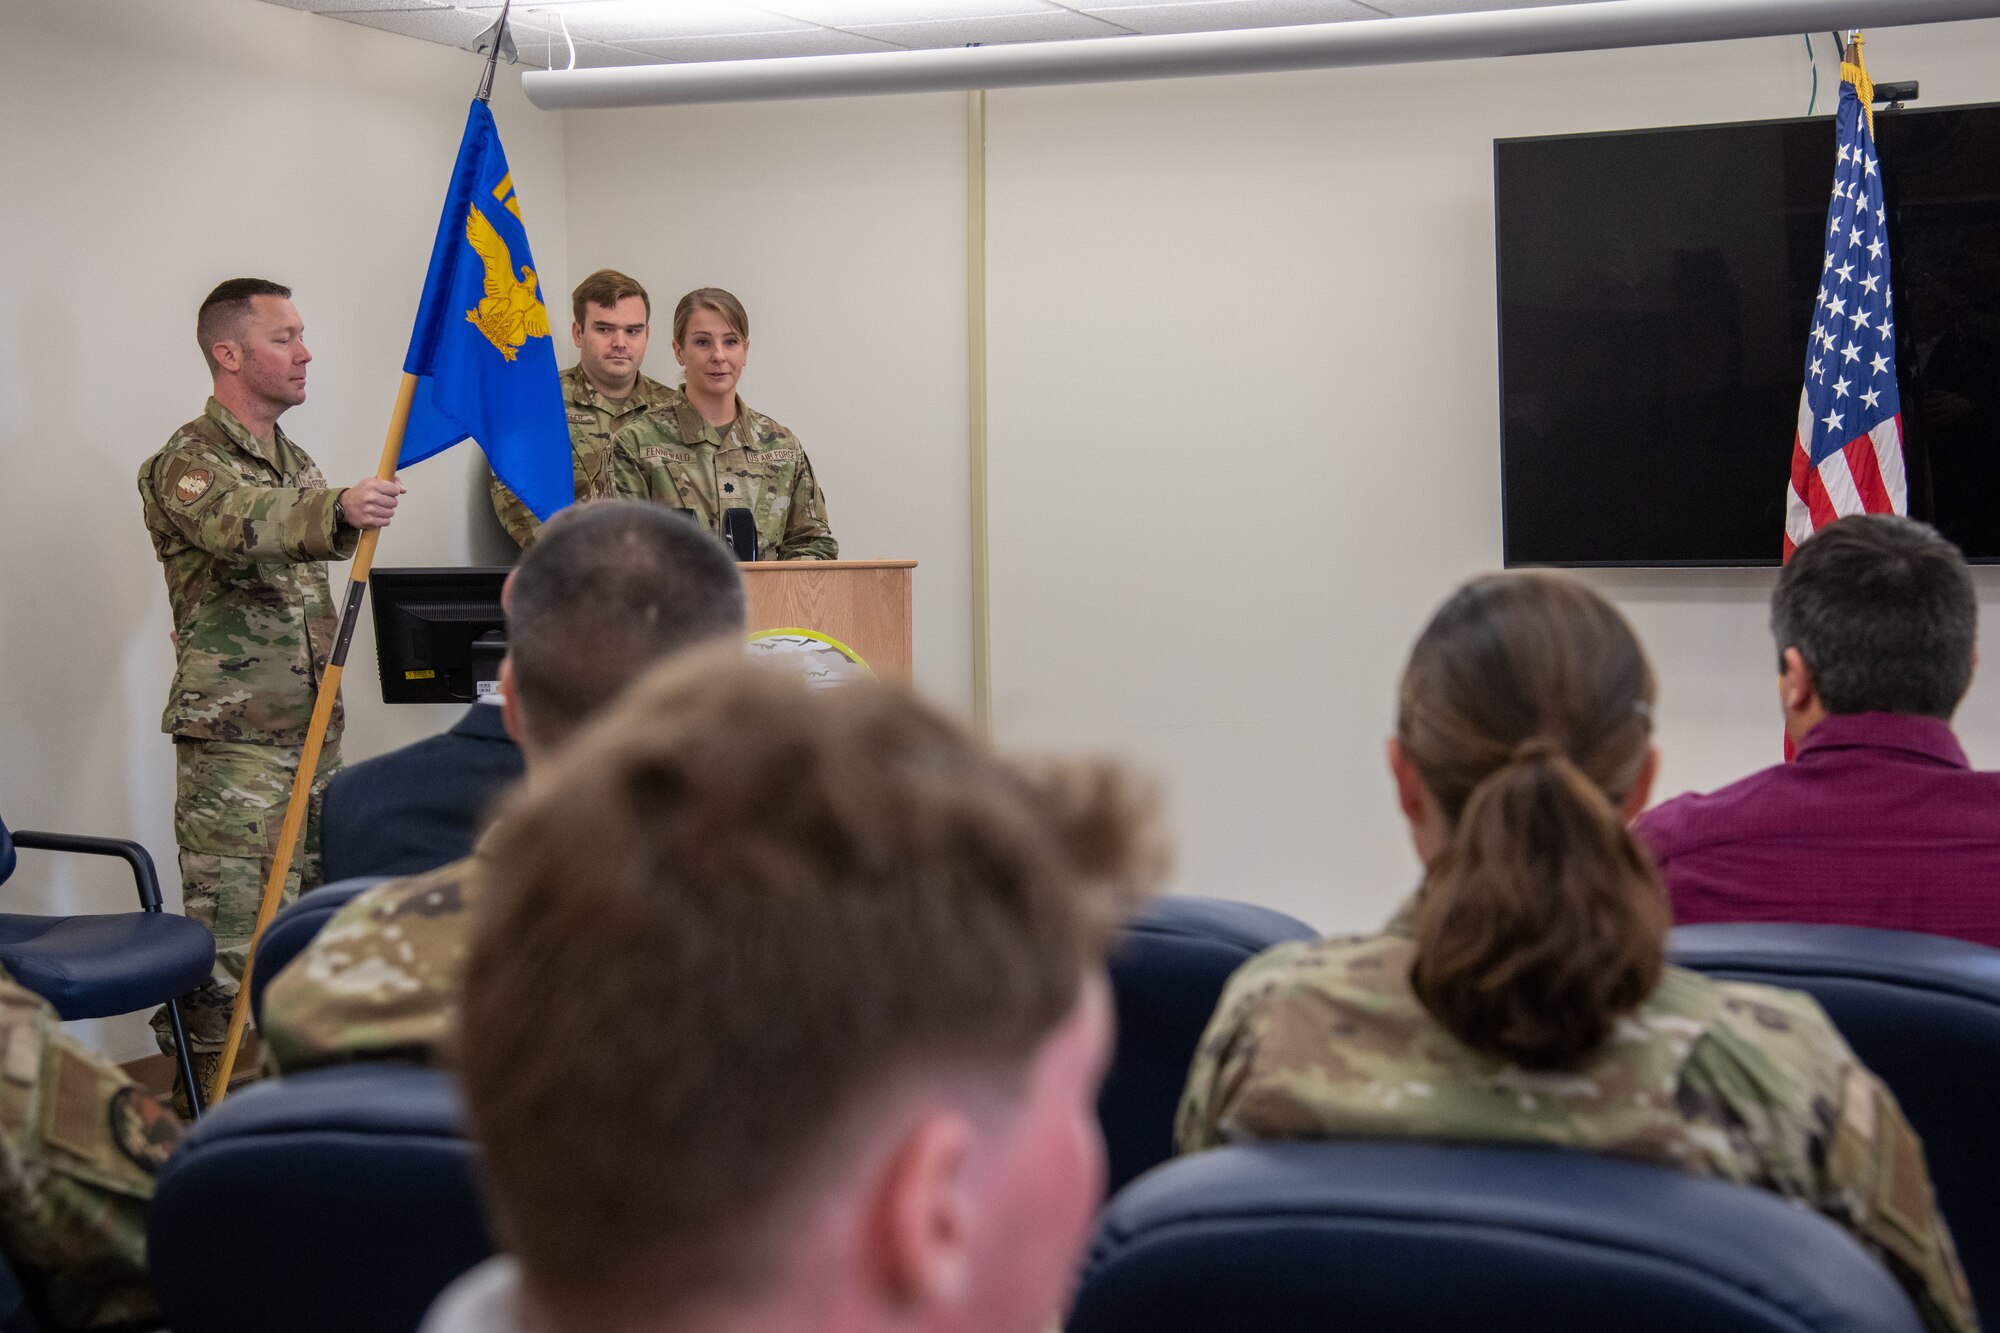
1167, 971
97, 964
1409, 1237
1923, 1012
325, 1202
293, 928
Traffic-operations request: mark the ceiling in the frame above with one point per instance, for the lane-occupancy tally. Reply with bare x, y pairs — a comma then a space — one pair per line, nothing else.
649, 32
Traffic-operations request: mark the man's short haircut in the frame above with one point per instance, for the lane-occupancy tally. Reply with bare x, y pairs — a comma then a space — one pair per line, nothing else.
223, 310
1883, 612
731, 928
607, 287
607, 588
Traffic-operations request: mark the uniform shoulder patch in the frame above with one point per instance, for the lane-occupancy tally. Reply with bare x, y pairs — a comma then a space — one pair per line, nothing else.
70, 1115
193, 484
144, 1130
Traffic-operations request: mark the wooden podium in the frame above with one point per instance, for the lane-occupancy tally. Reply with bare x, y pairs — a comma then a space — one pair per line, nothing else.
860, 605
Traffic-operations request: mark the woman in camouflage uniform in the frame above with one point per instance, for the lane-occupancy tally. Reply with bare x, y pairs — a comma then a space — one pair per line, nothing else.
1523, 994
707, 451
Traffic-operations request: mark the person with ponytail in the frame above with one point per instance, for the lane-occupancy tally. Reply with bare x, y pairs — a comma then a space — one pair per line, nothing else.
1523, 994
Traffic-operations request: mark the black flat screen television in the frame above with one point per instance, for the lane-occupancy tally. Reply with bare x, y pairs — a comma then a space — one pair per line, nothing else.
1655, 291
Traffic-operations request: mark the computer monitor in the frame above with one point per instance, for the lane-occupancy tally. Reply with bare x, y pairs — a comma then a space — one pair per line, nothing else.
439, 633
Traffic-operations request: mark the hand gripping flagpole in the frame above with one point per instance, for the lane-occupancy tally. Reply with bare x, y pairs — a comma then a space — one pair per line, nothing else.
329, 687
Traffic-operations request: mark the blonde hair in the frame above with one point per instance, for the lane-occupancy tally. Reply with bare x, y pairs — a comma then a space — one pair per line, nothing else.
711, 298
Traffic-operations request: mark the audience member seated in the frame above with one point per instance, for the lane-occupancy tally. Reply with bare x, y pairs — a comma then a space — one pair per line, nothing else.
610, 588
80, 1144
1522, 995
419, 807
1879, 821
787, 1011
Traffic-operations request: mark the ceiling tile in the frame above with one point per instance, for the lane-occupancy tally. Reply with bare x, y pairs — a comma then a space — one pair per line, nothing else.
551, 52
765, 45
350, 6
451, 26
1054, 25
1407, 8
865, 13
643, 20
1217, 15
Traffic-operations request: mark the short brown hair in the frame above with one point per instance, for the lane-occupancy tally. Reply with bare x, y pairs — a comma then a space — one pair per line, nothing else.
711, 298
1527, 708
220, 318
607, 287
733, 919
609, 588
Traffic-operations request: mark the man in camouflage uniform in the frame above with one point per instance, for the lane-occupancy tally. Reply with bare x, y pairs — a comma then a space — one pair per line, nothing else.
241, 520
607, 591
80, 1144
1746, 1083
603, 392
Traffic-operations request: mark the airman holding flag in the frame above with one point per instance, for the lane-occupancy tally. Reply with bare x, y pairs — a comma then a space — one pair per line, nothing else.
241, 520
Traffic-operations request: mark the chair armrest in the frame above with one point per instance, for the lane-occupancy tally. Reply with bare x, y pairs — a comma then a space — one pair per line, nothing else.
144, 877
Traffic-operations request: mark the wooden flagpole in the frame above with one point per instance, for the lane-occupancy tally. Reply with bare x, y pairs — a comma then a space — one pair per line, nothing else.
322, 717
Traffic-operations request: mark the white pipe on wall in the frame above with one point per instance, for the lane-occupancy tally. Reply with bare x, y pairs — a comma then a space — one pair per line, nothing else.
1602, 25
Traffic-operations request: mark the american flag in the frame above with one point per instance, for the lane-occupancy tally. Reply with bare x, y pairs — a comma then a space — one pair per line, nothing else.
1847, 457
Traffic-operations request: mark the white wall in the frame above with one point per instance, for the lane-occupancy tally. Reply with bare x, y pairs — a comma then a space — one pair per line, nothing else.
151, 151
1245, 431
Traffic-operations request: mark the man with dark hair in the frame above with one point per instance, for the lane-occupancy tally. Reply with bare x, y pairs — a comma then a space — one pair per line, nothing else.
609, 589
241, 521
1881, 821
603, 391
835, 1066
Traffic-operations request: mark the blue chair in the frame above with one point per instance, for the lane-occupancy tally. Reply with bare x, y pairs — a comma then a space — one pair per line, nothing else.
99, 964
1923, 1012
1167, 971
1414, 1237
293, 928
331, 1201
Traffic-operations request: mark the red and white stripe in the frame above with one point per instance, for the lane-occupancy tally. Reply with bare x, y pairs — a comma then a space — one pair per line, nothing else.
1865, 477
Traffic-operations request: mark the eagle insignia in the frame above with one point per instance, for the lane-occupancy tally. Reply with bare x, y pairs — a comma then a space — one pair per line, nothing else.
512, 313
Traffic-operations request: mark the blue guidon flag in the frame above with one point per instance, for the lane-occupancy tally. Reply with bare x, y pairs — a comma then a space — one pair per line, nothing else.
482, 352
1847, 456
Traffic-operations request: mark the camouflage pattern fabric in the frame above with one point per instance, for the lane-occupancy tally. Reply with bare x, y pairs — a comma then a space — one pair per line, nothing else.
593, 420
241, 527
381, 980
1751, 1084
79, 1146
229, 806
673, 456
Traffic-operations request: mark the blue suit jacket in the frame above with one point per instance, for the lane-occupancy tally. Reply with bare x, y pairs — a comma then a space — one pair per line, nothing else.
419, 807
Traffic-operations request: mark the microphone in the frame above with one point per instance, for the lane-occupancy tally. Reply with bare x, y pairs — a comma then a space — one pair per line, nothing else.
739, 532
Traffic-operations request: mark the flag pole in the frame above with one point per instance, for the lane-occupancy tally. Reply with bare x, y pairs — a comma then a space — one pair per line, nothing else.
329, 682
322, 717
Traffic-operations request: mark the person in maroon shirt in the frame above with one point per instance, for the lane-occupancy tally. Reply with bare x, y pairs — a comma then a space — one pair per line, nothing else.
1880, 820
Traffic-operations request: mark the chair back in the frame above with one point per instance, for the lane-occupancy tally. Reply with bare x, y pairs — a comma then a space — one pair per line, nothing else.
1167, 971
1923, 1012
293, 928
323, 1202
6, 852
1414, 1237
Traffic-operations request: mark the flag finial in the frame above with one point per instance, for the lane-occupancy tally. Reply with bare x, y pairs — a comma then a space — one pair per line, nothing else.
501, 41
1854, 70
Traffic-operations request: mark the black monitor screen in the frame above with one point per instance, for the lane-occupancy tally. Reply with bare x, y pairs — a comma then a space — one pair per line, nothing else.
439, 633
1656, 289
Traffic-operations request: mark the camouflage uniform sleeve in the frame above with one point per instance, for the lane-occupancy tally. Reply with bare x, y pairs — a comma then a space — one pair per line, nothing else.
1877, 1185
1782, 1103
80, 1144
379, 982
807, 533
211, 508
519, 521
1227, 1053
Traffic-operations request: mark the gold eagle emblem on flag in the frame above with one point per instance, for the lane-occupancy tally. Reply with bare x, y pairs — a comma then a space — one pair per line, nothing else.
512, 313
